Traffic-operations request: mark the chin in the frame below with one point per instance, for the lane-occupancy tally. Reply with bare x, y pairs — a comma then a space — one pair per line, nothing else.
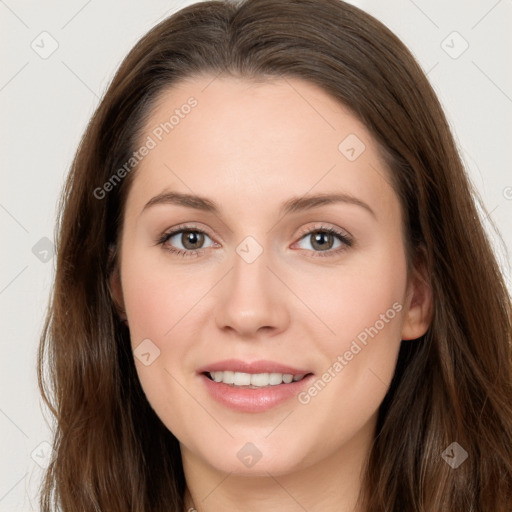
260, 457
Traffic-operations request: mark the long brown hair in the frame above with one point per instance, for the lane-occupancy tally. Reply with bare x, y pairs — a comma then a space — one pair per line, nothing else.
111, 451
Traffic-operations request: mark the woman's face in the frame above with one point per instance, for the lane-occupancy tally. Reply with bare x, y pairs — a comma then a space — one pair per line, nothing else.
289, 265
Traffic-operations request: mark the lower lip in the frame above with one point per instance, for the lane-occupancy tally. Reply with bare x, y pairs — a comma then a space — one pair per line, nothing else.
253, 400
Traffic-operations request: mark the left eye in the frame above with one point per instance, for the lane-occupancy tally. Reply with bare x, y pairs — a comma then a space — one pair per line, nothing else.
324, 240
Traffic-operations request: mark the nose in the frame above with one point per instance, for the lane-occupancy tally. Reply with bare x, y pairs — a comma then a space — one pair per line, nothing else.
253, 300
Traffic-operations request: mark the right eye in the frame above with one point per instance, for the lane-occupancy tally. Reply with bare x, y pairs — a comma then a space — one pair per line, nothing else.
190, 238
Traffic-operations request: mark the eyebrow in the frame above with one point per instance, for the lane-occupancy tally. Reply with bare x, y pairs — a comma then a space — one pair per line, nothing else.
292, 205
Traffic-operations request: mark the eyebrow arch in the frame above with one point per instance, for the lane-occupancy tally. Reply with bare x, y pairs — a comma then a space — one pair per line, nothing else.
293, 205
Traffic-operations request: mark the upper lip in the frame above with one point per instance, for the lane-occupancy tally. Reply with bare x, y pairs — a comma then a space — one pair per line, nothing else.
236, 365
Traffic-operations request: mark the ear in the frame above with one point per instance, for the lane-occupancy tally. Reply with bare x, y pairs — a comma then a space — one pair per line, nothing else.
114, 284
419, 302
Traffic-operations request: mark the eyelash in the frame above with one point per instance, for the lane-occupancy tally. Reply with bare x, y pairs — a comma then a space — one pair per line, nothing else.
345, 239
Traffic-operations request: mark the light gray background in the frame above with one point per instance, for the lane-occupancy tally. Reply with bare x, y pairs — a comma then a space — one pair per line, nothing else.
45, 105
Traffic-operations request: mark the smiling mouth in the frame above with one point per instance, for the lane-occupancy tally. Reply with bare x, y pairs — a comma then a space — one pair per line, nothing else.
253, 380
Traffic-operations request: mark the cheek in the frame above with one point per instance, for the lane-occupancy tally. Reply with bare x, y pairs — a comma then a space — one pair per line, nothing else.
359, 297
159, 304
156, 298
364, 309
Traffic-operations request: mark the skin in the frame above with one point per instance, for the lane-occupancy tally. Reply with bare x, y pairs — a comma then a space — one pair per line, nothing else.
249, 147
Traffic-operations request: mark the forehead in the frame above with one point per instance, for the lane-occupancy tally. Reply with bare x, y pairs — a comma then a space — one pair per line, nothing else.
246, 141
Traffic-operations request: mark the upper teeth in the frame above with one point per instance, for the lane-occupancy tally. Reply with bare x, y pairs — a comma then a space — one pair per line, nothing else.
254, 379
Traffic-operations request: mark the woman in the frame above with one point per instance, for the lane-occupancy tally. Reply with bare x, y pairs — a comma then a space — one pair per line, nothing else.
273, 290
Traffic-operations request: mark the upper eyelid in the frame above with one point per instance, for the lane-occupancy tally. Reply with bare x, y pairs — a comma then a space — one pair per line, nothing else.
186, 227
324, 227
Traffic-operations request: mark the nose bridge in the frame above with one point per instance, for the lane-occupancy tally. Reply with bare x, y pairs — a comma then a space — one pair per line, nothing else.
250, 269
